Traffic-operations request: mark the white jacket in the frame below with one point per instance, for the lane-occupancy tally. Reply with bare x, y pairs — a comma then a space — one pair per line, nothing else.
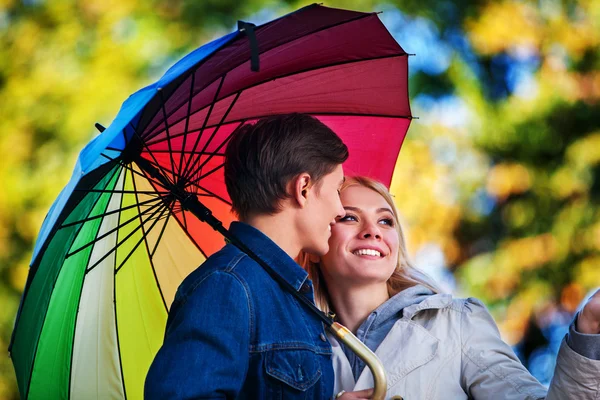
450, 349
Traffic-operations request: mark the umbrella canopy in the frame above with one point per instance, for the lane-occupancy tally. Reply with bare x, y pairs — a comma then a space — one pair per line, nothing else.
117, 242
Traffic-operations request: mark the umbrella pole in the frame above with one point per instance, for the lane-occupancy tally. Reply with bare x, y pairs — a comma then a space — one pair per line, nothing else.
339, 331
190, 202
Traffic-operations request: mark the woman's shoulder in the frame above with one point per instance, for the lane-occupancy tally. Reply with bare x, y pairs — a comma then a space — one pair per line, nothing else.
443, 302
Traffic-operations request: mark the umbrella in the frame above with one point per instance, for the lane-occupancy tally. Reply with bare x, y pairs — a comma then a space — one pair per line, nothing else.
125, 231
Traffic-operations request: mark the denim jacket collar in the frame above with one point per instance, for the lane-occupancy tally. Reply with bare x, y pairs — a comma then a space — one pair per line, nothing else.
268, 251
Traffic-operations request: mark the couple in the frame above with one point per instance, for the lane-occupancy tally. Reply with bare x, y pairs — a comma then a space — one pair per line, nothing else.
233, 332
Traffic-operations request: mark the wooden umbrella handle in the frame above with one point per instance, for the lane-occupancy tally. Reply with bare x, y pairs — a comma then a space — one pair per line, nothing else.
365, 354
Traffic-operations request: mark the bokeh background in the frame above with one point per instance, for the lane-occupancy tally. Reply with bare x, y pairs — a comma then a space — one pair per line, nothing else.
498, 180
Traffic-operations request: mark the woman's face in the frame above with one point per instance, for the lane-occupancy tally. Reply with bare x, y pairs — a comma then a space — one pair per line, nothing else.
363, 247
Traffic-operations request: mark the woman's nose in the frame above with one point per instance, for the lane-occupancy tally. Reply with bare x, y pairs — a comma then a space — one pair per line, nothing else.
371, 230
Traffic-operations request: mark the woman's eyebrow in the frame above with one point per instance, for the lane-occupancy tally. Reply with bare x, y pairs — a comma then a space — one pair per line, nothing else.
379, 210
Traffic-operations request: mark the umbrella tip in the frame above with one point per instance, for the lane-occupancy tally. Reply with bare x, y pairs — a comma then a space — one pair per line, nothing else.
99, 127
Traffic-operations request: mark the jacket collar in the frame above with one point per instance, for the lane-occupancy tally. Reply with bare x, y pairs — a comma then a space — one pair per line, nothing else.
433, 302
268, 251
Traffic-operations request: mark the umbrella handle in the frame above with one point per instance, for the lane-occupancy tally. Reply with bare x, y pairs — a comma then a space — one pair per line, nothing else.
365, 354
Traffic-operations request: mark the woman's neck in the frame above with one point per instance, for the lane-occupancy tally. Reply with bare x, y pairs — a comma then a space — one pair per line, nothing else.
353, 306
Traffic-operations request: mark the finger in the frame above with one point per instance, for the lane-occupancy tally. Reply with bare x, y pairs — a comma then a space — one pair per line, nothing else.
364, 392
359, 394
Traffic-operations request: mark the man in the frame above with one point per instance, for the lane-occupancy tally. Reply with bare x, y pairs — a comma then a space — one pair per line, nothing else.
233, 332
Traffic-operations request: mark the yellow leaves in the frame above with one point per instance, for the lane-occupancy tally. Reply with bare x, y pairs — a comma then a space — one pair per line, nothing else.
424, 197
588, 272
508, 25
586, 151
6, 3
109, 11
518, 213
26, 38
574, 35
505, 25
571, 296
567, 182
520, 310
506, 179
531, 252
18, 276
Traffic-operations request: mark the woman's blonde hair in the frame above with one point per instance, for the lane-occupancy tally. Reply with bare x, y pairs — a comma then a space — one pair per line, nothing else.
403, 277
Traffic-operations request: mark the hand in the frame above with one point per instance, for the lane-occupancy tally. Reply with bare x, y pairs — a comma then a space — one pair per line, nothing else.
588, 320
358, 395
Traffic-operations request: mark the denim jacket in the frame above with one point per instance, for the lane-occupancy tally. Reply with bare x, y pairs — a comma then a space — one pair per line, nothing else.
233, 332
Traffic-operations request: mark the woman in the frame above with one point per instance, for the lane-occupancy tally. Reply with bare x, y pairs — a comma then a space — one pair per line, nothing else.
432, 345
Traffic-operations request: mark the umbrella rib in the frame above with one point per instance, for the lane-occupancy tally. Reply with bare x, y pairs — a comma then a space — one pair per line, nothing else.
211, 194
110, 212
151, 254
78, 230
135, 132
151, 217
185, 225
36, 263
187, 120
78, 305
122, 191
187, 233
164, 111
189, 152
159, 167
199, 168
160, 236
344, 114
324, 28
270, 79
114, 265
141, 240
201, 132
196, 181
111, 231
126, 166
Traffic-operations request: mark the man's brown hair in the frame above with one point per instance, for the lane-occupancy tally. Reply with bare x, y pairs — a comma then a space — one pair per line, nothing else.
261, 158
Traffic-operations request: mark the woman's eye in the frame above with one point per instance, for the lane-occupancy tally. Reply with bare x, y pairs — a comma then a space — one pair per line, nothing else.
347, 218
387, 221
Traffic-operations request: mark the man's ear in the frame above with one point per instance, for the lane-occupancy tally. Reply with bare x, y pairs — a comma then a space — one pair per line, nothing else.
300, 188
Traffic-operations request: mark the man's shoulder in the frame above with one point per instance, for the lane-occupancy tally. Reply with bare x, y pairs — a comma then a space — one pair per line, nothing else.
230, 261
223, 261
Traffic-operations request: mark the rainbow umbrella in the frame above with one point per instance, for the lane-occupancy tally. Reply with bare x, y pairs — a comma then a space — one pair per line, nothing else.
123, 233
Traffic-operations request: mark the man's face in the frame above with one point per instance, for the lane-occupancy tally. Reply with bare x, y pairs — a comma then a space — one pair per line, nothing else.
323, 207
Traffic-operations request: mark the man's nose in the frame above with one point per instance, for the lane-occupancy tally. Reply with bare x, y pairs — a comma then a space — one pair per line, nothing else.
341, 211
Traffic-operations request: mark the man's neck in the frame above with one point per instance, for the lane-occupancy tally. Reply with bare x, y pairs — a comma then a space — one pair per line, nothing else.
280, 229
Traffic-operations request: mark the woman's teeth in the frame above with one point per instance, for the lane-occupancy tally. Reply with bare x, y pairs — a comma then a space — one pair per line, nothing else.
367, 252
